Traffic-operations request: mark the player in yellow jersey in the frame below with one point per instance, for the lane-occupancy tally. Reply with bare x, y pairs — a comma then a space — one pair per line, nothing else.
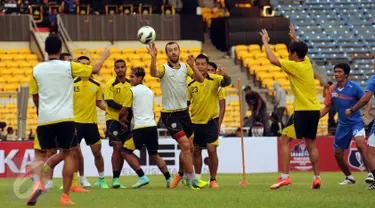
87, 95
114, 96
212, 69
204, 99
304, 122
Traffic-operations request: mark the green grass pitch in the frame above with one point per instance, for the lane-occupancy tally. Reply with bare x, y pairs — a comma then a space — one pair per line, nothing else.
230, 194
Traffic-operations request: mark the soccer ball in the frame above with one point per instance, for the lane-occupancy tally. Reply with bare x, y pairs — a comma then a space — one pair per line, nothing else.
146, 35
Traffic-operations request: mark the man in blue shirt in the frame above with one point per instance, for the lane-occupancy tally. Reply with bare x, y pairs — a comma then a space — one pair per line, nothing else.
341, 96
370, 90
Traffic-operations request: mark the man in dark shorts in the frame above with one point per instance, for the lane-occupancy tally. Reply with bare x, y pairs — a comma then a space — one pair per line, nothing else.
54, 104
204, 98
140, 99
304, 122
174, 114
114, 96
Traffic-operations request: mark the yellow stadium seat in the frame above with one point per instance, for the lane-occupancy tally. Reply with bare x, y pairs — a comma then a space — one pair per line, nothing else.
12, 64
240, 48
146, 58
261, 69
6, 58
2, 51
128, 50
13, 80
24, 64
19, 57
10, 87
254, 47
250, 62
5, 72
95, 57
271, 46
183, 57
12, 51
108, 63
24, 80
114, 50
285, 84
141, 51
264, 62
273, 69
280, 47
25, 51
194, 50
16, 71
2, 80
138, 63
2, 65
267, 82
263, 75
260, 55
183, 50
244, 56
27, 71
317, 82
31, 57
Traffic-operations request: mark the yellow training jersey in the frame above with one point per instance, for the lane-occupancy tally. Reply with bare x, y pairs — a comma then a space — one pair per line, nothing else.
86, 93
204, 99
115, 90
301, 76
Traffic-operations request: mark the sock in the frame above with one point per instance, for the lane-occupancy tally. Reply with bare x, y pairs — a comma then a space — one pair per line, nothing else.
190, 177
212, 179
50, 182
82, 178
284, 176
140, 173
116, 174
181, 174
75, 180
350, 177
199, 176
315, 177
101, 175
167, 175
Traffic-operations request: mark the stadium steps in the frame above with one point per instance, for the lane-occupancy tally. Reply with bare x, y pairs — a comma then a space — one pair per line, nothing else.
233, 70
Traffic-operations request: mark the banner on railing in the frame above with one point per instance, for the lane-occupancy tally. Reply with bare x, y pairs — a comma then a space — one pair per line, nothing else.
300, 160
260, 154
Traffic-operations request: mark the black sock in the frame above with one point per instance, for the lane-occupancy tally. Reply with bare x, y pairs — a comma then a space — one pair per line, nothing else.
212, 179
116, 174
181, 173
140, 173
373, 173
167, 175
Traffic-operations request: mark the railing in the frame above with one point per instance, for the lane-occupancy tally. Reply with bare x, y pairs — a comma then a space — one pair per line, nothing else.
35, 44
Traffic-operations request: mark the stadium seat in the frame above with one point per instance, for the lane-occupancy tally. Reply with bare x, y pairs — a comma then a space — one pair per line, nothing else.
6, 58
25, 51
12, 64
127, 50
10, 87
141, 51
194, 50
114, 50
30, 57
254, 48
98, 50
12, 51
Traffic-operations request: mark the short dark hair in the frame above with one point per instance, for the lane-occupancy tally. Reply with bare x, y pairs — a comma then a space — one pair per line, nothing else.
247, 88
120, 61
171, 43
53, 45
63, 55
330, 83
213, 65
83, 57
343, 66
202, 56
300, 48
139, 71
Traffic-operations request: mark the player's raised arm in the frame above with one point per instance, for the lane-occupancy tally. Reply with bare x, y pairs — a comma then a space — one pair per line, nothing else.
153, 51
270, 55
227, 80
292, 33
98, 65
196, 75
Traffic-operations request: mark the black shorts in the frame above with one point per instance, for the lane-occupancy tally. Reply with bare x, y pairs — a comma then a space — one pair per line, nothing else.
58, 135
178, 123
304, 124
206, 133
87, 131
116, 133
144, 136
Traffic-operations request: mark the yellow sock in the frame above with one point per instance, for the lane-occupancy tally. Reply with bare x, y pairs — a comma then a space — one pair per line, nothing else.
75, 180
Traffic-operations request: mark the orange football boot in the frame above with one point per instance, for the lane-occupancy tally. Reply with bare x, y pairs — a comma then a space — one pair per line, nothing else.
316, 184
281, 182
213, 184
65, 200
175, 181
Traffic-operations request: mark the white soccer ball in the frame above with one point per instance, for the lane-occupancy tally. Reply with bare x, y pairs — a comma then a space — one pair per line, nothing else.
146, 35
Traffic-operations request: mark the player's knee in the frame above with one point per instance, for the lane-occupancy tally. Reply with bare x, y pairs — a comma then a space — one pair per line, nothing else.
185, 145
339, 153
211, 150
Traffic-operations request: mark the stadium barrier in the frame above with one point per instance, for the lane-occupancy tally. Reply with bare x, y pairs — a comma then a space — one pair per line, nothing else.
261, 154
16, 157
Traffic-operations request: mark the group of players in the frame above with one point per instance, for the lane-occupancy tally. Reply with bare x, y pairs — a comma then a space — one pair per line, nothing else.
66, 97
